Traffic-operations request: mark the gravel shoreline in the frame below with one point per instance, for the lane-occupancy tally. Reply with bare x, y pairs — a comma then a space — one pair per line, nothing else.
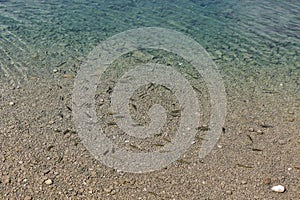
42, 156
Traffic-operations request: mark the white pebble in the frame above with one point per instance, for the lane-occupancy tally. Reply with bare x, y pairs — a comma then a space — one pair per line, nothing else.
48, 182
278, 188
11, 103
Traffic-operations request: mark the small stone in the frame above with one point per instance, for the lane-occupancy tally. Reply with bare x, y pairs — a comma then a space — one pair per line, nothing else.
291, 112
46, 171
50, 147
109, 189
140, 56
69, 76
281, 142
93, 173
259, 132
267, 181
80, 191
132, 182
48, 182
113, 192
116, 183
35, 56
251, 129
6, 180
244, 182
229, 192
218, 54
55, 70
291, 119
11, 103
28, 198
278, 188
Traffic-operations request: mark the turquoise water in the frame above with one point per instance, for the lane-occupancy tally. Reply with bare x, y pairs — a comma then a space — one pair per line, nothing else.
241, 36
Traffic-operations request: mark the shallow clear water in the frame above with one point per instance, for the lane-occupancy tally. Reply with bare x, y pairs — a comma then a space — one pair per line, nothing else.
243, 37
254, 42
